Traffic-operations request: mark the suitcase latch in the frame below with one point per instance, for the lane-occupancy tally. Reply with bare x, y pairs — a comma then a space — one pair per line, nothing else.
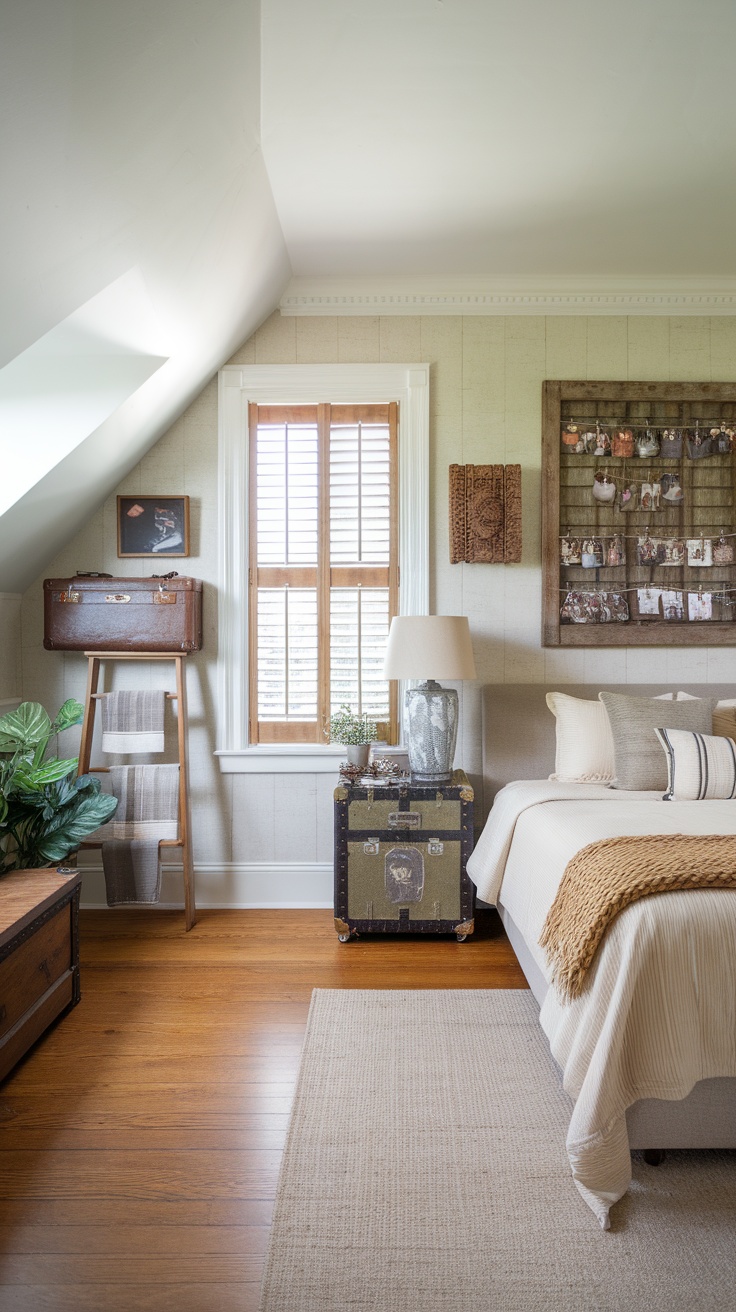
371, 848
69, 596
161, 598
118, 598
435, 847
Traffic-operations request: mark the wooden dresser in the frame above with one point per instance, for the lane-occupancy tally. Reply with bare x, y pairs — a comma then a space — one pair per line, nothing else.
39, 956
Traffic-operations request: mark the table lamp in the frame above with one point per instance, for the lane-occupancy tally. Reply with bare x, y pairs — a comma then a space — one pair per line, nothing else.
429, 647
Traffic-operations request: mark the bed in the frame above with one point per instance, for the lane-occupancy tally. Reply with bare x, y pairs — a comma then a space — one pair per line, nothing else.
648, 1052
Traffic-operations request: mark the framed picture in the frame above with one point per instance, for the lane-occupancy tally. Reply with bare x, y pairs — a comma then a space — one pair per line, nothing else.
153, 526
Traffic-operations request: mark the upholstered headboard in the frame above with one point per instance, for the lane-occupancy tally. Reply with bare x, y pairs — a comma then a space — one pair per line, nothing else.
519, 728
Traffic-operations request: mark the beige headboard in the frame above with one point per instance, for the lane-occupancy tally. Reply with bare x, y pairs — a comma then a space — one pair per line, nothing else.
519, 728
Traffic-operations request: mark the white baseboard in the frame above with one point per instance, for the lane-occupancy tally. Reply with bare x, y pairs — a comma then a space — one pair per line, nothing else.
244, 885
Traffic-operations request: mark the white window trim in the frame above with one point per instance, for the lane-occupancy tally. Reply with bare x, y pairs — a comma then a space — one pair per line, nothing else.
305, 384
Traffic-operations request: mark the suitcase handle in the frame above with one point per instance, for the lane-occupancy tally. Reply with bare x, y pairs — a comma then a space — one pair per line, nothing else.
118, 597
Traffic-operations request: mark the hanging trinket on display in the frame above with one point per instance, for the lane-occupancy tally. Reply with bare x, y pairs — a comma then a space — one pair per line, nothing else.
604, 488
622, 445
699, 553
616, 552
629, 497
602, 441
723, 550
647, 444
570, 551
592, 553
699, 444
670, 446
724, 440
671, 490
673, 605
699, 606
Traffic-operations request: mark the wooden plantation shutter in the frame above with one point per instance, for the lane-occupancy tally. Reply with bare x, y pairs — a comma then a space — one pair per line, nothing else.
323, 576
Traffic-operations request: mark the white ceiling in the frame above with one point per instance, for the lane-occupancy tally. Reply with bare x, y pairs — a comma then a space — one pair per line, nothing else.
508, 137
129, 146
213, 150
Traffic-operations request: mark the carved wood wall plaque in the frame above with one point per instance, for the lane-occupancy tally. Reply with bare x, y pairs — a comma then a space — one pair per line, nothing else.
485, 514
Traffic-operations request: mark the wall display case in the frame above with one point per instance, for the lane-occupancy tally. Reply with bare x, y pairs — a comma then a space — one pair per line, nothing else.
638, 514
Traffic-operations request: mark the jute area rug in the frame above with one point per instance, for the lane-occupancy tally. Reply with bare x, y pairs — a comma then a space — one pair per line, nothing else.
425, 1171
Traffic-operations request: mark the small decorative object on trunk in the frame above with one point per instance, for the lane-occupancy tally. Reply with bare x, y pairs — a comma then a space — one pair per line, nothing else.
356, 732
485, 514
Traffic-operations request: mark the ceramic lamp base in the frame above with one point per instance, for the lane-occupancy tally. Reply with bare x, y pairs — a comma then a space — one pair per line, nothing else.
431, 731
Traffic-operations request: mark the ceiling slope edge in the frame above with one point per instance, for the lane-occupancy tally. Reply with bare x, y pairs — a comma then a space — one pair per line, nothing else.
43, 521
495, 296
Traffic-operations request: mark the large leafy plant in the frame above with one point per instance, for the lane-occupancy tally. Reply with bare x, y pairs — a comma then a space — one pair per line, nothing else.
45, 810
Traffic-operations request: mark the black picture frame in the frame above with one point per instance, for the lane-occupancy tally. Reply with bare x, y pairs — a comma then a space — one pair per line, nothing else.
153, 526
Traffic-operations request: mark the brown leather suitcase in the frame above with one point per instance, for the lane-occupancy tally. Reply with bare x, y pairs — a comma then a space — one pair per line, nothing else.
87, 613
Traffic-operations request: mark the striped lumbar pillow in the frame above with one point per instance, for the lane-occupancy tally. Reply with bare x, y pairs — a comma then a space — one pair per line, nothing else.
699, 766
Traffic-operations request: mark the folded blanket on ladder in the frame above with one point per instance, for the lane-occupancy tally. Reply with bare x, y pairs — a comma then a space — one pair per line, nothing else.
133, 721
603, 878
148, 810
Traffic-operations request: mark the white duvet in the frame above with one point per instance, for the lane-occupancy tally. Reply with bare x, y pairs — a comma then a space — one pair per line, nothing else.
658, 1012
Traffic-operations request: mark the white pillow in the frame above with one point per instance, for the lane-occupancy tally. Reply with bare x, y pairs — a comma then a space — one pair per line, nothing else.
584, 740
699, 766
584, 752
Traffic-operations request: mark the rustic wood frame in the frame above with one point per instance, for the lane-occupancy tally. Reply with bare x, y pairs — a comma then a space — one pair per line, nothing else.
677, 404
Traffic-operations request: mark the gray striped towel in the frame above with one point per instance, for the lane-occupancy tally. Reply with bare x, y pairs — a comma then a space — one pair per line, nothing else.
148, 810
148, 802
133, 721
132, 871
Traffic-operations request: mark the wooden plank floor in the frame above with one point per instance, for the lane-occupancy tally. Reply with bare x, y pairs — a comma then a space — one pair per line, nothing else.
140, 1140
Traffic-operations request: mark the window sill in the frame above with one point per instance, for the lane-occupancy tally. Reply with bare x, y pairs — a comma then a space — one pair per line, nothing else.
288, 758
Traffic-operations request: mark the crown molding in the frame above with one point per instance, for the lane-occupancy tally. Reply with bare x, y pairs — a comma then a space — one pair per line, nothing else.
433, 295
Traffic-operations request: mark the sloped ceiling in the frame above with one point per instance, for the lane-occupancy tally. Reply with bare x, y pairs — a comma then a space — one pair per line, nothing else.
130, 142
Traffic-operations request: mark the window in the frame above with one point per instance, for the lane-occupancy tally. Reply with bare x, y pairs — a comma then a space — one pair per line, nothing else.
323, 566
241, 387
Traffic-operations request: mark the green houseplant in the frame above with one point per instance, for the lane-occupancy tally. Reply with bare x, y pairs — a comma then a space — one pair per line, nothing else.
45, 810
356, 732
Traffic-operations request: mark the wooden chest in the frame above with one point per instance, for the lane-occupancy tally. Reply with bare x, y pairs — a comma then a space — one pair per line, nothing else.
400, 857
122, 614
39, 956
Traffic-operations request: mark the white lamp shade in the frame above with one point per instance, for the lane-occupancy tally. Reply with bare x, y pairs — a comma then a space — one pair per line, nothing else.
429, 647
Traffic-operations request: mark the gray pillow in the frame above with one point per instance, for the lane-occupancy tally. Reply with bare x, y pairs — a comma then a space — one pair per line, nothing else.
638, 757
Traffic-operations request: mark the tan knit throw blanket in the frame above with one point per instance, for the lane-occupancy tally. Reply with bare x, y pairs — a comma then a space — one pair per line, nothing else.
604, 878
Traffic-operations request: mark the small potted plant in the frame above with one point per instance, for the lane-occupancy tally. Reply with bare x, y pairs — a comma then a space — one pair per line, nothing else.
357, 733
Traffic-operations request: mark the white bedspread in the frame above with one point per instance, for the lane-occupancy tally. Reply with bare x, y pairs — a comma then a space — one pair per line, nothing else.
659, 1009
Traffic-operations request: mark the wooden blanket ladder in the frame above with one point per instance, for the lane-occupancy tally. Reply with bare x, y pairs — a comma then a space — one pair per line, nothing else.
184, 841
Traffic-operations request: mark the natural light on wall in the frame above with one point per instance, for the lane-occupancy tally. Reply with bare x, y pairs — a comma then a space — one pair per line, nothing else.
61, 388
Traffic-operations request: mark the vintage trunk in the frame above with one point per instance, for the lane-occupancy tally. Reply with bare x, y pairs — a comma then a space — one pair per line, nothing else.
39, 955
122, 614
400, 856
